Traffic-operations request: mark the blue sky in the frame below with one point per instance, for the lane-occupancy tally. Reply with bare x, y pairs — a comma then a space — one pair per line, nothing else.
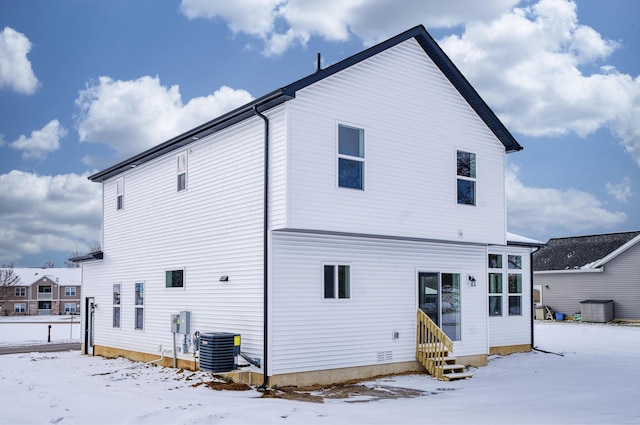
84, 84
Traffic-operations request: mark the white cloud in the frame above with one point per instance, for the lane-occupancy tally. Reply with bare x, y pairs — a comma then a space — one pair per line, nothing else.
547, 210
621, 191
134, 115
529, 65
283, 24
41, 141
15, 68
47, 213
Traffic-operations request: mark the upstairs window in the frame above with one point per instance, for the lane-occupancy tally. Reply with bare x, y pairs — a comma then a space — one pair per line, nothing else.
69, 291
120, 193
20, 292
174, 278
182, 171
337, 281
466, 178
350, 157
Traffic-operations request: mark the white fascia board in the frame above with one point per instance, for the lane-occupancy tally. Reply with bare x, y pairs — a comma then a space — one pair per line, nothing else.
617, 252
589, 270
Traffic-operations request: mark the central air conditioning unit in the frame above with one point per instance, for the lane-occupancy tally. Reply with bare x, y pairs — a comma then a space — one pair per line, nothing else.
219, 352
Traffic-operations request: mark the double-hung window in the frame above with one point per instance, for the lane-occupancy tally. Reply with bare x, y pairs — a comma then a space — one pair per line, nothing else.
181, 161
139, 305
515, 284
350, 157
466, 177
20, 308
337, 281
69, 291
120, 193
495, 285
20, 291
70, 308
116, 305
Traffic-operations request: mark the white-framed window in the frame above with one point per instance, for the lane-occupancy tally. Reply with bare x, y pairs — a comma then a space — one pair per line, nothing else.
515, 284
70, 308
20, 308
495, 284
495, 294
120, 193
174, 278
70, 291
181, 163
336, 281
139, 305
20, 291
117, 287
466, 177
505, 285
350, 157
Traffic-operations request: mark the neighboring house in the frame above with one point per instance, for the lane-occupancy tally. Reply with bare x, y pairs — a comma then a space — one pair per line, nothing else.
42, 291
595, 267
385, 181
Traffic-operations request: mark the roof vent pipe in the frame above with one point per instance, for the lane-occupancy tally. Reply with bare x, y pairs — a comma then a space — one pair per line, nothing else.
319, 61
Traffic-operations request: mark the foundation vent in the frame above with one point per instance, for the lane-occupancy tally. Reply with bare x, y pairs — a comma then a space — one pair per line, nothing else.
384, 356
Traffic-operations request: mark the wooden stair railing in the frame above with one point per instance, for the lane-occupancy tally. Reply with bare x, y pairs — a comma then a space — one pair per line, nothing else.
432, 351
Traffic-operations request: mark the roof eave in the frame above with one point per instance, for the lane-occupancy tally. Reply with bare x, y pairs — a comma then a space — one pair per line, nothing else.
587, 270
92, 256
239, 114
617, 252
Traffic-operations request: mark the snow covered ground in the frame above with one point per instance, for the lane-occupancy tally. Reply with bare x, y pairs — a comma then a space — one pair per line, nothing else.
596, 381
31, 330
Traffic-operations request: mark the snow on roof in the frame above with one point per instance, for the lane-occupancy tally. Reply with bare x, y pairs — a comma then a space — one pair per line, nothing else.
62, 275
515, 239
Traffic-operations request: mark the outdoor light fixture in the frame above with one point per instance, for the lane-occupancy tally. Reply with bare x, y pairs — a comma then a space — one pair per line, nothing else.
224, 278
472, 280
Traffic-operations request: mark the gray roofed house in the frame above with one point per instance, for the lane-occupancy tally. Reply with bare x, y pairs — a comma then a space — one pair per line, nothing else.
593, 267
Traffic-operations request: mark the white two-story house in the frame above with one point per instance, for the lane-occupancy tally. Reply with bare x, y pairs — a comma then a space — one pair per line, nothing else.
321, 222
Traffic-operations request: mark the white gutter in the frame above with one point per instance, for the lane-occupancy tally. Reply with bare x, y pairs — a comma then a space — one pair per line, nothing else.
589, 270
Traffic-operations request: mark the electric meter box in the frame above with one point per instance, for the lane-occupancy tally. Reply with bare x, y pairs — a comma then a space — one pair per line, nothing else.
175, 323
185, 322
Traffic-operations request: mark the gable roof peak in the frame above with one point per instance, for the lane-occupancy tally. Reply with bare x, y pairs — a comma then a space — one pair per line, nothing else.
278, 96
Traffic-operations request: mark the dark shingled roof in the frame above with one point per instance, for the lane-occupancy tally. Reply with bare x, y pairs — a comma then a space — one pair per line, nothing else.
576, 252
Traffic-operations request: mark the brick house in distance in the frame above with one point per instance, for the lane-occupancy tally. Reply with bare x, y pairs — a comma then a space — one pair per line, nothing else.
50, 291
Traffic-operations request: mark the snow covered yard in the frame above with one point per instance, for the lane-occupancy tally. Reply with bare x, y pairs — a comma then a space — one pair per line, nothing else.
596, 381
29, 330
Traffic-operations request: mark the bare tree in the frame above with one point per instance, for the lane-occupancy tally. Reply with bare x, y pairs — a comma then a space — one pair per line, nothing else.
96, 247
8, 276
70, 264
48, 264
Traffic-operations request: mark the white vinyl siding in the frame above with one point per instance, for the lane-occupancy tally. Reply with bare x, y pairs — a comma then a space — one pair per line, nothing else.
309, 333
414, 121
220, 233
619, 282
